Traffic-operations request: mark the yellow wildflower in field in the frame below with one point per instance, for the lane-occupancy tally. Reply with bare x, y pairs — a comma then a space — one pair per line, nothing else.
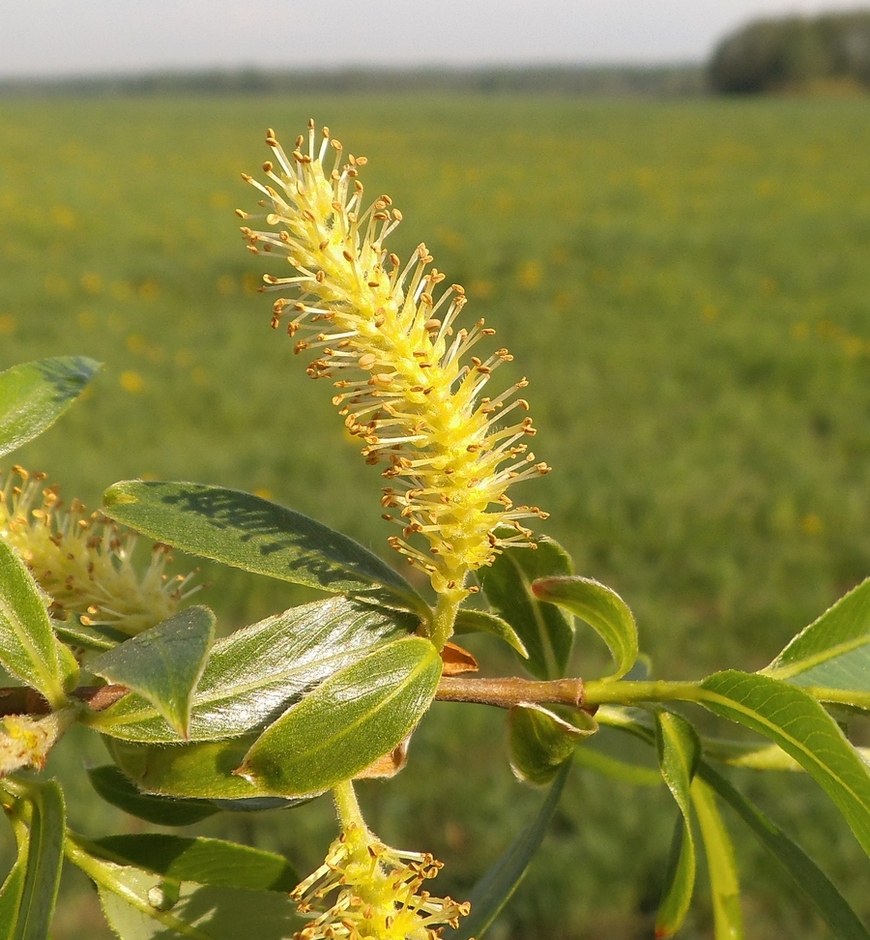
82, 561
389, 343
375, 894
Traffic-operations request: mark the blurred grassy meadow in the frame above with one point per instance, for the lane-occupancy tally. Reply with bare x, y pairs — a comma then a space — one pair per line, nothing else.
686, 285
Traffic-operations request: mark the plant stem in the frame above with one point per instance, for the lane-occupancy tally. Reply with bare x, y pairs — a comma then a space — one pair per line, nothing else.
347, 806
511, 690
603, 692
444, 617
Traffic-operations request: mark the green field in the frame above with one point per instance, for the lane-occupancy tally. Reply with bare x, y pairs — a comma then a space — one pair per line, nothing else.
686, 285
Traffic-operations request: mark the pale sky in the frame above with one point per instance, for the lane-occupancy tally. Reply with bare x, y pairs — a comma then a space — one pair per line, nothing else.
81, 37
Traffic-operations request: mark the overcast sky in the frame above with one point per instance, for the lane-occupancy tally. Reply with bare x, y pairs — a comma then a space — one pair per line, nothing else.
76, 37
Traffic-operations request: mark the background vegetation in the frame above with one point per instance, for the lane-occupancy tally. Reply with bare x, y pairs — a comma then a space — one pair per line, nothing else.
685, 284
796, 53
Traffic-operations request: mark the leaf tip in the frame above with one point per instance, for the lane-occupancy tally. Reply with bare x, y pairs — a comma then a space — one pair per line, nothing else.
117, 495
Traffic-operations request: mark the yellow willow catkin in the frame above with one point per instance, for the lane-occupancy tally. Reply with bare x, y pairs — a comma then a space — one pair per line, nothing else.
365, 890
407, 383
83, 561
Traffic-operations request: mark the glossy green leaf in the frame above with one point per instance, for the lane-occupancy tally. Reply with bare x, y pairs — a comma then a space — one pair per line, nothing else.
469, 620
721, 863
541, 741
810, 880
347, 722
251, 533
115, 788
202, 771
679, 750
40, 858
599, 606
205, 861
28, 647
253, 675
140, 905
497, 886
164, 664
802, 728
34, 394
833, 652
546, 631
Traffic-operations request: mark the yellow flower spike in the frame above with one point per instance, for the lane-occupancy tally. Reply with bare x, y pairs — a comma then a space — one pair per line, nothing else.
84, 562
407, 383
374, 893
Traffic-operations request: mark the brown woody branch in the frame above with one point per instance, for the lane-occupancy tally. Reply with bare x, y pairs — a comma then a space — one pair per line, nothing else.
509, 691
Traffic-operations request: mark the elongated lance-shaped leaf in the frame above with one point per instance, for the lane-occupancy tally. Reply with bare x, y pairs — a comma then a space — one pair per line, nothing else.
30, 893
721, 863
251, 533
679, 750
13, 886
163, 664
348, 721
469, 620
617, 769
28, 647
497, 886
546, 631
810, 880
833, 652
541, 741
34, 394
599, 606
205, 861
115, 788
203, 771
253, 675
802, 728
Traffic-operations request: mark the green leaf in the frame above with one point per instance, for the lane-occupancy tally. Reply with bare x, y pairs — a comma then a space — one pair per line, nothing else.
40, 858
28, 647
599, 606
163, 664
679, 750
33, 395
140, 905
13, 886
608, 766
802, 728
77, 635
111, 784
469, 620
541, 741
205, 861
494, 890
347, 722
203, 771
833, 652
251, 533
721, 863
811, 881
546, 631
253, 675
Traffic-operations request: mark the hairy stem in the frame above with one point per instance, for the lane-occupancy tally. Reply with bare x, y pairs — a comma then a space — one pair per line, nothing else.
347, 806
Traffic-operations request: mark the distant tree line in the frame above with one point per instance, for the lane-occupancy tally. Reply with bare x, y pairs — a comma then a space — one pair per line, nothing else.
794, 53
652, 81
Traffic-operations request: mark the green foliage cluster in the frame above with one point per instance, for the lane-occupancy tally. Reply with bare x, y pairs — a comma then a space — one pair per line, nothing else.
738, 388
794, 53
